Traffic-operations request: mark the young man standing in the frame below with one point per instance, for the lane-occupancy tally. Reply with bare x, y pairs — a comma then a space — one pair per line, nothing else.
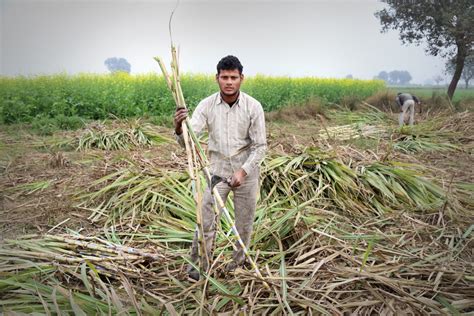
406, 101
237, 143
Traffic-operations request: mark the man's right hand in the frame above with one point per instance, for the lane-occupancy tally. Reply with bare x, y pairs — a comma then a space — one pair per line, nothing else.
179, 116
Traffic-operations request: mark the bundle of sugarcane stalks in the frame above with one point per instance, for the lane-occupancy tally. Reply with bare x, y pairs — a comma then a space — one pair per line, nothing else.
351, 131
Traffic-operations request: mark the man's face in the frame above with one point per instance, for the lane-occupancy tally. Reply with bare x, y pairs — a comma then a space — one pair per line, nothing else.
229, 81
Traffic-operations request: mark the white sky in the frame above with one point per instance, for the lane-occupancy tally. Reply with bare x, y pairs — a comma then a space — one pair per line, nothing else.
288, 38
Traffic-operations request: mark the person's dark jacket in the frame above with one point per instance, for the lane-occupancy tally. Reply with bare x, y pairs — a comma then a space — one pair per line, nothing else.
401, 98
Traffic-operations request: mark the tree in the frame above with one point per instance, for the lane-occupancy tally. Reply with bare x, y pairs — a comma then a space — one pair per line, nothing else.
438, 79
468, 71
399, 77
404, 77
446, 27
383, 75
349, 76
115, 64
393, 77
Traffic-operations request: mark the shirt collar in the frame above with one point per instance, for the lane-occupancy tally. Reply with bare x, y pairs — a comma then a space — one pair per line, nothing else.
220, 100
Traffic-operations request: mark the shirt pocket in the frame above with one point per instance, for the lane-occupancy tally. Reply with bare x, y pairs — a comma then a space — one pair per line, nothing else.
243, 126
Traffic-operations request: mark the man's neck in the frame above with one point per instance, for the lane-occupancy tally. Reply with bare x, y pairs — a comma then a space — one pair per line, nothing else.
230, 100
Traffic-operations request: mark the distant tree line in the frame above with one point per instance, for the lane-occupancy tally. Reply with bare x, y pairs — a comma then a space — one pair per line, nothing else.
395, 77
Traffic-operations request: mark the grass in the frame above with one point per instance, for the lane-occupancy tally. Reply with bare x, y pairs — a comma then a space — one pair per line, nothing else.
433, 99
430, 92
48, 126
311, 110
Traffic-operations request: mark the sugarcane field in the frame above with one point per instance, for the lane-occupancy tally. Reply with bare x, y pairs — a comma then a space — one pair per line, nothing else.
187, 192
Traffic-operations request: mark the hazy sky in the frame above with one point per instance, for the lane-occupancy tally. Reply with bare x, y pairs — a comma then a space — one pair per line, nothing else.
289, 38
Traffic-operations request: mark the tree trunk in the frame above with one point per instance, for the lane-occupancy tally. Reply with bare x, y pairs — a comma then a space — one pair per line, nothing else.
467, 83
460, 58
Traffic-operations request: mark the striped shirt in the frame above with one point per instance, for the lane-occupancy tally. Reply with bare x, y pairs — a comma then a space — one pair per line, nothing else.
237, 137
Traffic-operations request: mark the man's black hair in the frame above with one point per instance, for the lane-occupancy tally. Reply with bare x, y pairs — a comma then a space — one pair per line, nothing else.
229, 63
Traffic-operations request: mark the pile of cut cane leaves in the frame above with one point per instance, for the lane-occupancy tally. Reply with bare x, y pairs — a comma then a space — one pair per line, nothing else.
128, 135
330, 237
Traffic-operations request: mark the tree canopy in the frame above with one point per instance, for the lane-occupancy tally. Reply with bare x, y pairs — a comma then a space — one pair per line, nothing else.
395, 77
115, 64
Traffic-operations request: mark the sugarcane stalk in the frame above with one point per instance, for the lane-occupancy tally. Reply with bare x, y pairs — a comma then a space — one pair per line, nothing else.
175, 86
198, 199
111, 248
189, 152
60, 258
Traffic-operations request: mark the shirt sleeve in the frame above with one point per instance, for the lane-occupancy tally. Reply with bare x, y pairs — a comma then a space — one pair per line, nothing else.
258, 137
198, 122
397, 99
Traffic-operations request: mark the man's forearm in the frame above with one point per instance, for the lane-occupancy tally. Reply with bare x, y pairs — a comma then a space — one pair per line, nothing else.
255, 158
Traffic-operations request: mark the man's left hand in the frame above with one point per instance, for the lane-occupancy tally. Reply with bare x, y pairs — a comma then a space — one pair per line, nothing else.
238, 178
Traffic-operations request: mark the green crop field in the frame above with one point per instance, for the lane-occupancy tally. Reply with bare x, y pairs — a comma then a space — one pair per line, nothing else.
122, 95
428, 92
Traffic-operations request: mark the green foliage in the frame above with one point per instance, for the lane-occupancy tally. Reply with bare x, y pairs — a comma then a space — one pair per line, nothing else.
287, 181
162, 120
274, 92
427, 136
69, 122
134, 135
310, 110
412, 144
367, 115
48, 126
440, 24
122, 95
45, 126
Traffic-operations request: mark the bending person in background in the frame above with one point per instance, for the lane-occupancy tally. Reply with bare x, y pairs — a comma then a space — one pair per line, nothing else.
406, 101
237, 143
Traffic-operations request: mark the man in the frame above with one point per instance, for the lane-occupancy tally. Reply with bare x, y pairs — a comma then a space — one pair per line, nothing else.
406, 101
237, 142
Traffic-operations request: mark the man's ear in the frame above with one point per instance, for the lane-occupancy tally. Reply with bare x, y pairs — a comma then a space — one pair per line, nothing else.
242, 77
217, 77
